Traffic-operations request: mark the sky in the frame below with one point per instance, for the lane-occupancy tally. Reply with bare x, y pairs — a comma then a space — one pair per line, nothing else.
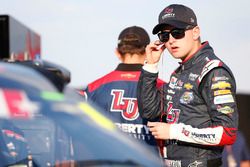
81, 35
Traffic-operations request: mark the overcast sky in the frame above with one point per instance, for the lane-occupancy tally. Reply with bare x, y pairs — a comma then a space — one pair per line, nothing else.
81, 35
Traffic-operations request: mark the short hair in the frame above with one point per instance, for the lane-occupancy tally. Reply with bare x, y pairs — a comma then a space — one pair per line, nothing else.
133, 40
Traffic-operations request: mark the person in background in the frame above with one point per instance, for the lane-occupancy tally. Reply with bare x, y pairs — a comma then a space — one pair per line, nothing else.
116, 91
236, 155
200, 114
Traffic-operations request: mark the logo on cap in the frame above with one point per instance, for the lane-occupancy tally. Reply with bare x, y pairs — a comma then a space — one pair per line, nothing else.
192, 20
168, 12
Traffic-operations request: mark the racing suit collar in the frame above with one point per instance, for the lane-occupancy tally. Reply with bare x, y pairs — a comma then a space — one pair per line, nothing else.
193, 59
128, 67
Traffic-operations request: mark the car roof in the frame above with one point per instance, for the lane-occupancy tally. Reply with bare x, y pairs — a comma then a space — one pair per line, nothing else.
21, 77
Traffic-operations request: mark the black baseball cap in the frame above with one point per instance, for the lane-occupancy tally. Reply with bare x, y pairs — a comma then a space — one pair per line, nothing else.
176, 15
134, 35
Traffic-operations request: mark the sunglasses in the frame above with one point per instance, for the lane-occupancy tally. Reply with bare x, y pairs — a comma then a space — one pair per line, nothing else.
176, 33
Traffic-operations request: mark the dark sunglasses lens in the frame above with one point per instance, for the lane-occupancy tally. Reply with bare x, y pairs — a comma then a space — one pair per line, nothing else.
178, 33
163, 36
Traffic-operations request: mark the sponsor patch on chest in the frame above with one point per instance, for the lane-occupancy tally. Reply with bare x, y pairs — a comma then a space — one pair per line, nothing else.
187, 97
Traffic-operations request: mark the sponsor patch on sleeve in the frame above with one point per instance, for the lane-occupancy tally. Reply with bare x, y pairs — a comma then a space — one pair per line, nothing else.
225, 110
208, 67
220, 78
222, 92
221, 85
223, 99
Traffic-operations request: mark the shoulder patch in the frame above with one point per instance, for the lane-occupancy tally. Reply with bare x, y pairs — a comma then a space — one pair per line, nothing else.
208, 67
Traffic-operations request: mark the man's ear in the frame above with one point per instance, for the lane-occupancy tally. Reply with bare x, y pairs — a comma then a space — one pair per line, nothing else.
196, 33
118, 55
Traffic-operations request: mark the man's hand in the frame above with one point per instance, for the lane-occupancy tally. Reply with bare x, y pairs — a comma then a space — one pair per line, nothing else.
159, 130
154, 51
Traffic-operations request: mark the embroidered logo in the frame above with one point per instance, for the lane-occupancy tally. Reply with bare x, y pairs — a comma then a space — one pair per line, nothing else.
187, 97
126, 105
195, 164
172, 113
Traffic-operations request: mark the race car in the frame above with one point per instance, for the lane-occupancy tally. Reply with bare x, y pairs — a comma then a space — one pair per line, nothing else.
44, 127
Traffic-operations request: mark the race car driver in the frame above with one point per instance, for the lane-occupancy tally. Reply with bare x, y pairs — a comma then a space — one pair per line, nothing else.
200, 112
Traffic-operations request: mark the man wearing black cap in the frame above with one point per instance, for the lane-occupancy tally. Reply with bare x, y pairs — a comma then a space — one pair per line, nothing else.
197, 110
116, 91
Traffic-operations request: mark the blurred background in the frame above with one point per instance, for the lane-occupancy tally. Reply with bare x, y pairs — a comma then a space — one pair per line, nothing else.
82, 35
